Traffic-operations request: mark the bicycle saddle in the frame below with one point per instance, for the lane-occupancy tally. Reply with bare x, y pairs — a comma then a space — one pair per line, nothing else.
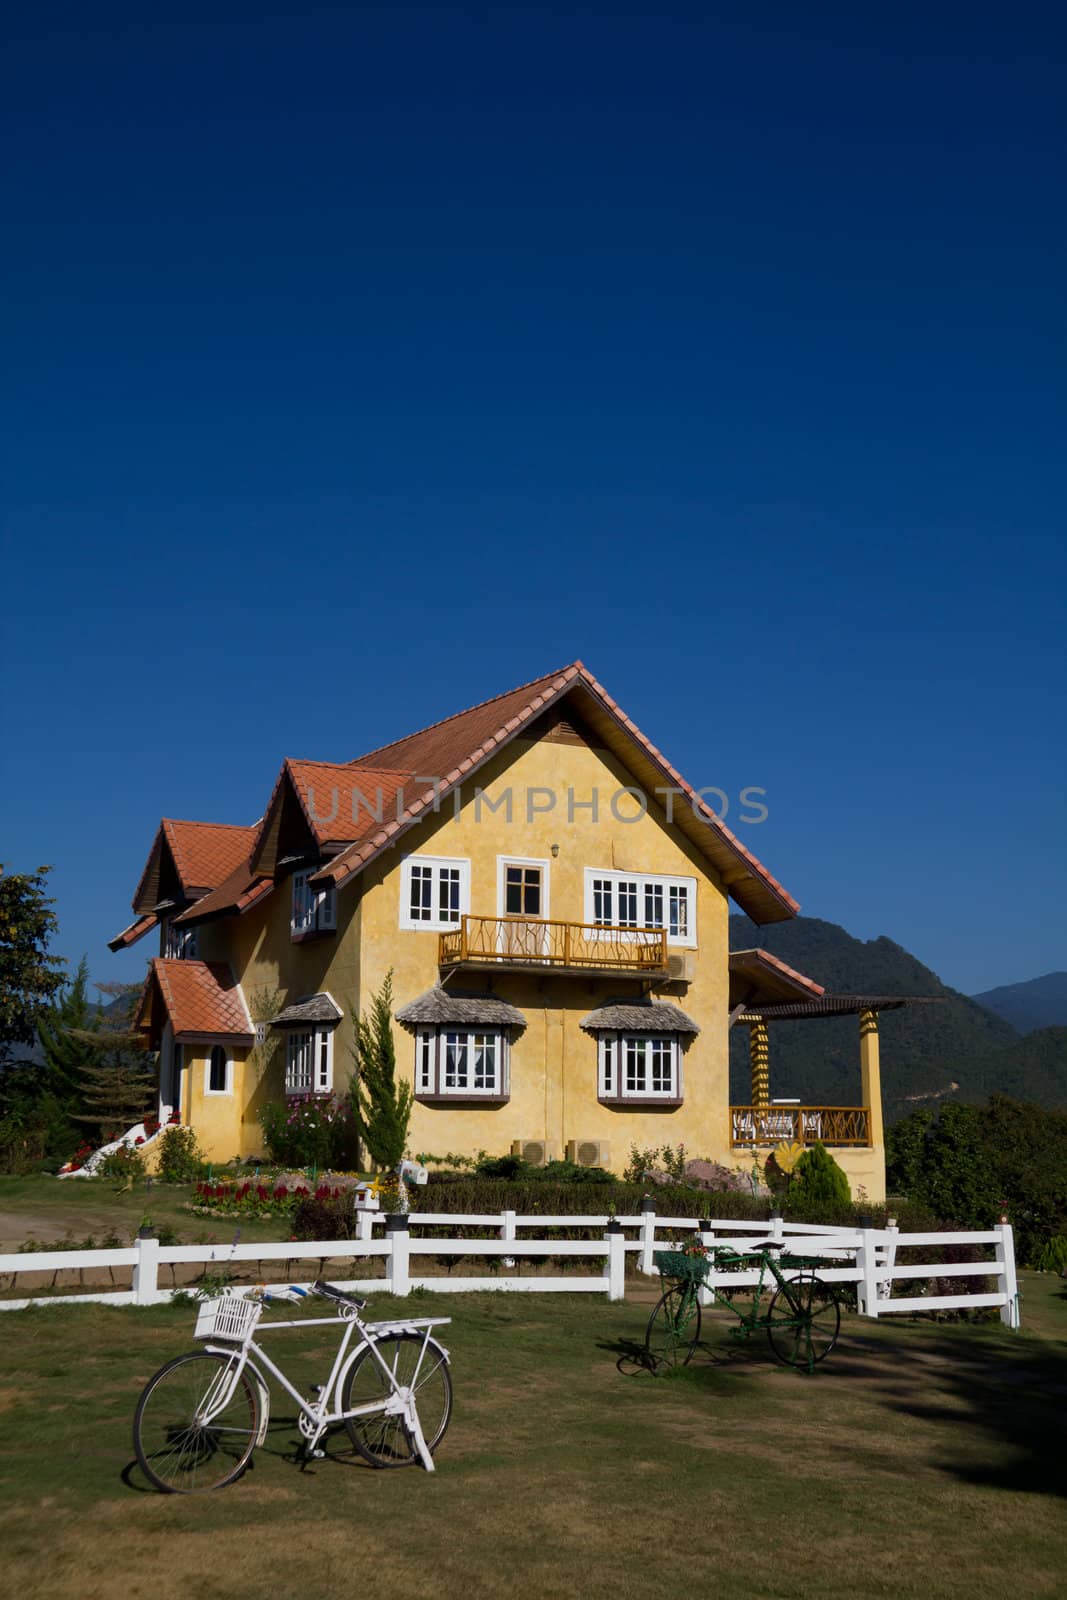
769, 1244
330, 1291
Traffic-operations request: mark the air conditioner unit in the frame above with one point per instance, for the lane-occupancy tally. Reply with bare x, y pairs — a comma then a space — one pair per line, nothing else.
680, 968
535, 1152
589, 1152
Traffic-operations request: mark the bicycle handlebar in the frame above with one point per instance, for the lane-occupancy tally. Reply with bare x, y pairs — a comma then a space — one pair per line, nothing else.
330, 1291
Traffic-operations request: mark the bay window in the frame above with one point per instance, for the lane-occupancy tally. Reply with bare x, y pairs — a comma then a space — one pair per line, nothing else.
309, 1061
461, 1063
639, 1066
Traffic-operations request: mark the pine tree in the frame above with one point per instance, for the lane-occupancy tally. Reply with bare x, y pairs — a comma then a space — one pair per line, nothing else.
66, 1056
381, 1105
118, 1081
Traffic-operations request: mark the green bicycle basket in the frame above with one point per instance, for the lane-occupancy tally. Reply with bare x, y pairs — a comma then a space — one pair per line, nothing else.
685, 1268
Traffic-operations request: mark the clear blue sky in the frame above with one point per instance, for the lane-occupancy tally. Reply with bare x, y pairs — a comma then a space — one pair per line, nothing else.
365, 361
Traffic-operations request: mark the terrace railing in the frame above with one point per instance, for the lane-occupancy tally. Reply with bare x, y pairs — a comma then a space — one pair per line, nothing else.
567, 946
771, 1125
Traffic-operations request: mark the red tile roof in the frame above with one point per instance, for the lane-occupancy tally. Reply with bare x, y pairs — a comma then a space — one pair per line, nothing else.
757, 977
207, 852
136, 930
342, 801
203, 853
241, 890
454, 749
201, 998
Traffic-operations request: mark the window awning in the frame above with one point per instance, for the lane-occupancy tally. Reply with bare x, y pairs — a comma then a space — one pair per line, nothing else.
639, 1016
442, 1006
311, 1008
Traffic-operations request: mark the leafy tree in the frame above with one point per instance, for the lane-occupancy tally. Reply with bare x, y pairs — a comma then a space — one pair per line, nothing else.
29, 976
818, 1180
382, 1105
971, 1162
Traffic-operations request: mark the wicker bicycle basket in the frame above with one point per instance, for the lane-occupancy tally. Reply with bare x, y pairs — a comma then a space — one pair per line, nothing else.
685, 1268
228, 1318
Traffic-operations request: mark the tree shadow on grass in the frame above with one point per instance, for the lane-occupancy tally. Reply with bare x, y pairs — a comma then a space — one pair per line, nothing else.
996, 1398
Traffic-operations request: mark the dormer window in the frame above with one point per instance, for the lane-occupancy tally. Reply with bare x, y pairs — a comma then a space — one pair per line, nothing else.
314, 910
181, 944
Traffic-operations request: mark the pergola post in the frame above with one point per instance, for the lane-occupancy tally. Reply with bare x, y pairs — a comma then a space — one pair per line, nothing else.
871, 1075
759, 1054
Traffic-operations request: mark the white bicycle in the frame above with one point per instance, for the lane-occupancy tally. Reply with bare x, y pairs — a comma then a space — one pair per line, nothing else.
202, 1415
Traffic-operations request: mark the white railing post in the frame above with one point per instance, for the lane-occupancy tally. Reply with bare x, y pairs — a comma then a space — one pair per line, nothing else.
364, 1224
1008, 1283
396, 1232
507, 1225
648, 1235
867, 1287
777, 1227
146, 1270
707, 1239
889, 1257
615, 1271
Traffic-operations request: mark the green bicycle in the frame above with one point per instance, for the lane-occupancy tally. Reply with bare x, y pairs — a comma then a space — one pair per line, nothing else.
802, 1318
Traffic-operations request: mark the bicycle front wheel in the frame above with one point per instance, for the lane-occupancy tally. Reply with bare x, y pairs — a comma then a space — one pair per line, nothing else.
382, 1439
803, 1323
194, 1428
673, 1329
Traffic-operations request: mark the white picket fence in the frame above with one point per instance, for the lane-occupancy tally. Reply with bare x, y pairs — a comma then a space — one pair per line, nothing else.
867, 1257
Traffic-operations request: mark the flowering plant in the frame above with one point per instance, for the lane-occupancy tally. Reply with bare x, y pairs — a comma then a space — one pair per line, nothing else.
254, 1199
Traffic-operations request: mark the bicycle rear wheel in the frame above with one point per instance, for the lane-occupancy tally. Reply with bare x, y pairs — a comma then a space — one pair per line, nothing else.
803, 1323
186, 1443
673, 1329
381, 1439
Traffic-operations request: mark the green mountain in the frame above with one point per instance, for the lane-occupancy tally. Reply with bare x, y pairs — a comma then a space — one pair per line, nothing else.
1034, 1068
925, 1049
1041, 1003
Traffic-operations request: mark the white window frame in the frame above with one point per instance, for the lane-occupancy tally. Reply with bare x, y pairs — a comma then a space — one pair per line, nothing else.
181, 944
319, 1043
312, 910
502, 865
227, 1056
645, 881
431, 1045
434, 923
612, 1050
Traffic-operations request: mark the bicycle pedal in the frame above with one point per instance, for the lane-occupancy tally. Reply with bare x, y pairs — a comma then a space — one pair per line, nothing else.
317, 1455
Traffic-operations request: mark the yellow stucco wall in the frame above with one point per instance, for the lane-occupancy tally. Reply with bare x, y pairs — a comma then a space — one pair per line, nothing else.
553, 1063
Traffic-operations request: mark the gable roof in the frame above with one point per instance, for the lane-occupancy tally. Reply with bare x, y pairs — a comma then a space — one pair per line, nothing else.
316, 805
453, 750
201, 855
201, 999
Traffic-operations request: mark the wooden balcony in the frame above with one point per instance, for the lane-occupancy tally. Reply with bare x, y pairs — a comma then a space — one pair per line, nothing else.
771, 1125
527, 943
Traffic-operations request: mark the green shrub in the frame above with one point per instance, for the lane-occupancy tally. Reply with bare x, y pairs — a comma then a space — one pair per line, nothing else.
180, 1157
125, 1162
319, 1131
1052, 1257
818, 1180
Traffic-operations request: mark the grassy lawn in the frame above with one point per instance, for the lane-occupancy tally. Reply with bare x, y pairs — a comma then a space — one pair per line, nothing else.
47, 1210
922, 1460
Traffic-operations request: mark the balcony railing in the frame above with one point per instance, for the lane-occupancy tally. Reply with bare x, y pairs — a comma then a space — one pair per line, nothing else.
771, 1125
565, 946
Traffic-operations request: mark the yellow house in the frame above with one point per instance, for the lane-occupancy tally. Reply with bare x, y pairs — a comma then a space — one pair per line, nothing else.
552, 899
